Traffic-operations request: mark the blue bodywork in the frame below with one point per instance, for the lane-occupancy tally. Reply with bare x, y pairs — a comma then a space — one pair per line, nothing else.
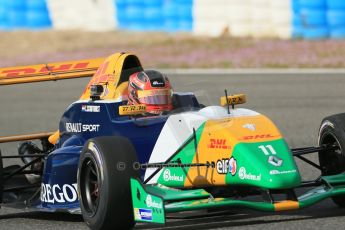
87, 119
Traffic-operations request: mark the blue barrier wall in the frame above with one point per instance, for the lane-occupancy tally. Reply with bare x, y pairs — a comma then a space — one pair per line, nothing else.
336, 18
310, 19
24, 14
313, 18
297, 27
154, 15
318, 19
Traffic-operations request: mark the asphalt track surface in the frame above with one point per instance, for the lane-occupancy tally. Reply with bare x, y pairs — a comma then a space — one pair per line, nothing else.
296, 102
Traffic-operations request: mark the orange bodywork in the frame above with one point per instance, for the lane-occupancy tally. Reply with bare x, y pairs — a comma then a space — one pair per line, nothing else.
286, 205
24, 137
217, 142
49, 72
114, 75
112, 72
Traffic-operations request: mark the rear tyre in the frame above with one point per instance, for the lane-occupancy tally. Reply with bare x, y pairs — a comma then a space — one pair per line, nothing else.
1, 177
332, 162
105, 169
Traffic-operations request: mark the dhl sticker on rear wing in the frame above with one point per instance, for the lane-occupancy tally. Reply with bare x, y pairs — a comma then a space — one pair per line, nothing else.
49, 72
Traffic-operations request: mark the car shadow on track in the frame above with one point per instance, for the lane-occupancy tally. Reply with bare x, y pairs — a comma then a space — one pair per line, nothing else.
63, 217
231, 219
205, 220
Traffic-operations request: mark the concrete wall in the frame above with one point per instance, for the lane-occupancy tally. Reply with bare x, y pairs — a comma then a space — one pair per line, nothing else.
82, 14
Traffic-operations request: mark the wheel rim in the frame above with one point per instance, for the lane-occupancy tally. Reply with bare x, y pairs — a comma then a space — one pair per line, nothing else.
333, 162
89, 186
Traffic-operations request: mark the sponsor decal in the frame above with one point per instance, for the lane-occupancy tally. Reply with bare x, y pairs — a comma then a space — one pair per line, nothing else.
153, 204
277, 172
79, 127
58, 193
218, 144
236, 99
143, 214
274, 160
131, 109
243, 175
168, 176
226, 165
259, 136
91, 108
100, 76
45, 69
251, 127
155, 83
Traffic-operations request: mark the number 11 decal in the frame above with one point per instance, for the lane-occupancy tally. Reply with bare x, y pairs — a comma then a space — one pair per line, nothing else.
267, 149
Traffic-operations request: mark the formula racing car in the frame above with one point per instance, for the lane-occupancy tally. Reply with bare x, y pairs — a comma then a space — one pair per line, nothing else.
117, 166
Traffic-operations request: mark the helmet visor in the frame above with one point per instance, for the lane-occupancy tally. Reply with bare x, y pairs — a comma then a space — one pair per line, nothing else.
155, 97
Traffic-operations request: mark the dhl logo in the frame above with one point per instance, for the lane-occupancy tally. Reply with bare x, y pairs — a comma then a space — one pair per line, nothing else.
44, 69
218, 144
259, 136
101, 76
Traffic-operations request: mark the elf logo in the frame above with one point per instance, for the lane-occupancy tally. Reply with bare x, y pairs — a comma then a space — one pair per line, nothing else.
227, 165
218, 144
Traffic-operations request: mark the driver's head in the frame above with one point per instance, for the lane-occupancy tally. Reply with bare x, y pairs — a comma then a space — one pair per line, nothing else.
152, 89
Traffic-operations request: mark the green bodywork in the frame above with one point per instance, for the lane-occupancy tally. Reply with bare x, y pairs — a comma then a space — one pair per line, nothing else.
175, 177
146, 207
174, 200
265, 165
253, 167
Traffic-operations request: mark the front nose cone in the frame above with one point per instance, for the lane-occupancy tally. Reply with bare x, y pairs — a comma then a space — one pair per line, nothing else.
273, 168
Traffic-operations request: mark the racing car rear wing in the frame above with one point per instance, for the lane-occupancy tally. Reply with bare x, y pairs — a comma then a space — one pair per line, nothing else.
25, 137
50, 71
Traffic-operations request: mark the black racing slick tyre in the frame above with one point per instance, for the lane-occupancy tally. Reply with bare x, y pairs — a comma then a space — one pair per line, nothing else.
1, 177
332, 162
105, 168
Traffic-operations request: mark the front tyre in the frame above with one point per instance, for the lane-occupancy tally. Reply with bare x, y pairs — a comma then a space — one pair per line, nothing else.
105, 169
332, 162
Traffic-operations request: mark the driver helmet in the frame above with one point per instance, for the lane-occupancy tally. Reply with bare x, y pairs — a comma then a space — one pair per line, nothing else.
152, 89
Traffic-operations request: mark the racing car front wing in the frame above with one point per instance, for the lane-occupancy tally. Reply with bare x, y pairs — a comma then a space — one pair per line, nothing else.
151, 202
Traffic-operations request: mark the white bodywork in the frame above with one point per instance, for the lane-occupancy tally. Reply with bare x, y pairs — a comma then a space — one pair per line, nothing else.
179, 128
